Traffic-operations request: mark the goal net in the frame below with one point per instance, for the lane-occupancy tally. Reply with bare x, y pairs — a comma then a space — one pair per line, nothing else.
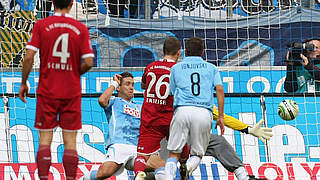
247, 40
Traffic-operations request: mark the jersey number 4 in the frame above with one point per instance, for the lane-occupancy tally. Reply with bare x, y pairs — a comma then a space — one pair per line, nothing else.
158, 85
63, 39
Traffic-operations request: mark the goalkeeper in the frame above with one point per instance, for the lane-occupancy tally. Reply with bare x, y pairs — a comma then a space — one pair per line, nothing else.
220, 149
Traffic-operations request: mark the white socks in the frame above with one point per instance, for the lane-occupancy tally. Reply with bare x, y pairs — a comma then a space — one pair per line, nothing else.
160, 174
171, 168
192, 163
241, 173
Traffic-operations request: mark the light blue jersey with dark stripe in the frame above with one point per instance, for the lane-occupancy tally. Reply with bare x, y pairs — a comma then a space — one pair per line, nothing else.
124, 121
192, 82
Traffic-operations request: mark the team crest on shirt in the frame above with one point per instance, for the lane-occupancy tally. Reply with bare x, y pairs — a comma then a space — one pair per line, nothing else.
131, 111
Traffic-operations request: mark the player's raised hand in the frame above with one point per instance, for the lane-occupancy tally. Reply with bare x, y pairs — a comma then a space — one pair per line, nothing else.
263, 133
117, 78
23, 92
220, 123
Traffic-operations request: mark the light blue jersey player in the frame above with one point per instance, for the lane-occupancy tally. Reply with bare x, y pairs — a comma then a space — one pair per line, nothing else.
192, 82
124, 122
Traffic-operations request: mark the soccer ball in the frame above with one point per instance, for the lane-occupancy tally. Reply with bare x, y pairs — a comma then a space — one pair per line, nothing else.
288, 109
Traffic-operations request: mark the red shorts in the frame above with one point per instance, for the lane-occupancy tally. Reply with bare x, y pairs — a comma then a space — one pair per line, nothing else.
47, 111
150, 137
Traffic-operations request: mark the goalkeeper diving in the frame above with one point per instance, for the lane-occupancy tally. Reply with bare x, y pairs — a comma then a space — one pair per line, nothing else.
220, 149
263, 133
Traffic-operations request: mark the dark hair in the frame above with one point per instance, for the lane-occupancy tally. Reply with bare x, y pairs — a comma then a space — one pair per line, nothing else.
194, 46
61, 4
124, 75
171, 46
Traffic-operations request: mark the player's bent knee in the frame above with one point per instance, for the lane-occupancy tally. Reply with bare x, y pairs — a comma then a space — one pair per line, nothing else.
155, 162
104, 173
107, 170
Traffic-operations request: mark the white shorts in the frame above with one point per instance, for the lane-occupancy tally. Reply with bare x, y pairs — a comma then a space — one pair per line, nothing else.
121, 154
193, 125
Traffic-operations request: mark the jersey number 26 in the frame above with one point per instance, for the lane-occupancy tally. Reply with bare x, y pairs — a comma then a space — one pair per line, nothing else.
158, 85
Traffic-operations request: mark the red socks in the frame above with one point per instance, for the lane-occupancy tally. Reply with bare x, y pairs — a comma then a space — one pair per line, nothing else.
140, 164
43, 161
184, 154
70, 163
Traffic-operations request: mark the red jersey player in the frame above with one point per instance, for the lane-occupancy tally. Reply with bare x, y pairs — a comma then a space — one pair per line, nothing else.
157, 108
63, 42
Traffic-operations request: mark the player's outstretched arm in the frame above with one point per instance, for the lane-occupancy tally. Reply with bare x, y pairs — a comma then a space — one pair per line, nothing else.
220, 97
86, 65
27, 66
263, 133
105, 96
229, 121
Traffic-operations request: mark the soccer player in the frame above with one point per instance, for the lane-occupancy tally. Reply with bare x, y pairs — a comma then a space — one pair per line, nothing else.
192, 83
123, 117
223, 151
157, 108
65, 54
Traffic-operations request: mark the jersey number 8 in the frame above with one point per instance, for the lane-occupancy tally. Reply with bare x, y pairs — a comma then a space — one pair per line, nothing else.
195, 87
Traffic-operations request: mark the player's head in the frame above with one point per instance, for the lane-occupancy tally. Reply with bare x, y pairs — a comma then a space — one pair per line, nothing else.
62, 4
194, 47
126, 86
171, 47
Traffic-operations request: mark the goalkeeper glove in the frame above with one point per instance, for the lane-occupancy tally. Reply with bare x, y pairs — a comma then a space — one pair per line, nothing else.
263, 133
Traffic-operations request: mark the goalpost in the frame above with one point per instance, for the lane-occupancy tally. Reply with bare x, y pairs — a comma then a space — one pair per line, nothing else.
248, 45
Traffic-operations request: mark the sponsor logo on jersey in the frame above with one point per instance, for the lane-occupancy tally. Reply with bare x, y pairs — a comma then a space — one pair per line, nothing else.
131, 111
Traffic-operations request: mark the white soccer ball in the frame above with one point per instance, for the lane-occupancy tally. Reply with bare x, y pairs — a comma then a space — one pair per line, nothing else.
288, 109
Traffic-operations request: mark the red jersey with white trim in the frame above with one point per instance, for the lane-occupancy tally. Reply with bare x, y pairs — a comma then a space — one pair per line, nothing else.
157, 108
62, 42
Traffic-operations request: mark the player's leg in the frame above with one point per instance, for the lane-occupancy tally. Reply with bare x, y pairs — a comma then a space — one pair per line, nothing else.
220, 149
70, 155
118, 156
179, 131
156, 163
229, 159
148, 144
200, 129
140, 164
143, 152
70, 122
46, 121
44, 153
106, 170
